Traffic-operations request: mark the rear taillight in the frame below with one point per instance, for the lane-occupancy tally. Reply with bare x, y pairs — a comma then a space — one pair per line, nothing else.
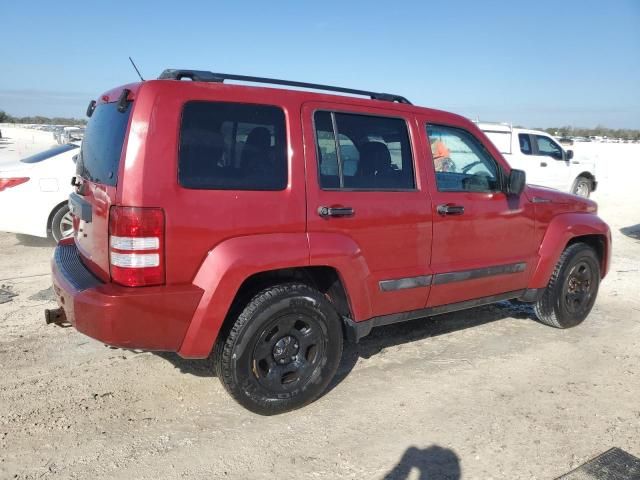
136, 246
12, 182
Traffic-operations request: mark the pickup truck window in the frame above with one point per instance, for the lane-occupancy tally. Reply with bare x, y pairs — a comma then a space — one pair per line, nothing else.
548, 147
372, 153
461, 162
525, 143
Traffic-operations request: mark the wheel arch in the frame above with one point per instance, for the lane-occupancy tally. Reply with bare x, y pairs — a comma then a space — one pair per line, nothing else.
585, 174
567, 229
53, 213
238, 268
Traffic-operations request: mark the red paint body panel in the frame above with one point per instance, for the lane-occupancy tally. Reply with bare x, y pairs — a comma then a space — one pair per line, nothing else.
559, 232
154, 318
216, 239
390, 230
222, 274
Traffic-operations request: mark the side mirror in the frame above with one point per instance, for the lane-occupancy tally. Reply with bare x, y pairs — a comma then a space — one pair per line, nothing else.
569, 154
516, 182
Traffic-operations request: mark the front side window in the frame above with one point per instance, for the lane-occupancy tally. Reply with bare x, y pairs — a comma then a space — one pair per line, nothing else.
548, 147
525, 143
232, 146
371, 153
461, 162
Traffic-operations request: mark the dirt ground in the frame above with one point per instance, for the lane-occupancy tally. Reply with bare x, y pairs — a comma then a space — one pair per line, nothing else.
487, 393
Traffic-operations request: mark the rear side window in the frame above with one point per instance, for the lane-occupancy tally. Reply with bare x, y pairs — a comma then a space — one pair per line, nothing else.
525, 143
52, 152
371, 153
102, 144
232, 146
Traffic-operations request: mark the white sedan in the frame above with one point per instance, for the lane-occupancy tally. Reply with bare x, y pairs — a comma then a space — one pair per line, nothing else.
34, 193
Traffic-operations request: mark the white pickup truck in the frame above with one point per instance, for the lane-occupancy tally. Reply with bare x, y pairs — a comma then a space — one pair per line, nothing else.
545, 161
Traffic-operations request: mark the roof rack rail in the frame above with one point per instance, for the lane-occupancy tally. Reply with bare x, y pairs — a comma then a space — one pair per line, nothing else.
205, 76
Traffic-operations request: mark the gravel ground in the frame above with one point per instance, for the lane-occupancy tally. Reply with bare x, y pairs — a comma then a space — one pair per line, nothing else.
486, 393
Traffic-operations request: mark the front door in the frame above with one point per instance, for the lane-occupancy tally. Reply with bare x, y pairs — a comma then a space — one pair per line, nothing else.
554, 168
483, 239
367, 207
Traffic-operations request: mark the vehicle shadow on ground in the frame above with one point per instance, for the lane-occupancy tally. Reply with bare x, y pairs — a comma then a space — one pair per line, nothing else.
406, 332
632, 232
431, 463
389, 336
29, 241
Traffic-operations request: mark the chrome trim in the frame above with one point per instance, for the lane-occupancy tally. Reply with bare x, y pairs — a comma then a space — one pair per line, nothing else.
403, 283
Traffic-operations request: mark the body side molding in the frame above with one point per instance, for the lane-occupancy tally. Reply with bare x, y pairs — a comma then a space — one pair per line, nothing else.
358, 330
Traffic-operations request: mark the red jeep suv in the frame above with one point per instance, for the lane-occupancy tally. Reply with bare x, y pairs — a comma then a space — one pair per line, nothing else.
266, 225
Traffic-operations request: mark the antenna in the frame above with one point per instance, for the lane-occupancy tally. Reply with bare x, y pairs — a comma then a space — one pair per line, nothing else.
137, 71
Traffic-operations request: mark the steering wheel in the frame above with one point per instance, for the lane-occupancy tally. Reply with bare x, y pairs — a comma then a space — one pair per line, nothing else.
466, 168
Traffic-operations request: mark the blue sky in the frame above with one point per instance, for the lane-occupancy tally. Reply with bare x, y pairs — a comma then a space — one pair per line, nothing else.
536, 63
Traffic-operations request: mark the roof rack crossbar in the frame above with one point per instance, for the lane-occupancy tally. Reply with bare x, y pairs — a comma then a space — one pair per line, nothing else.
205, 76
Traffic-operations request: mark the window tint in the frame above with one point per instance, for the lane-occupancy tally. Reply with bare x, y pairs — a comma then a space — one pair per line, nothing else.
229, 146
372, 153
548, 147
525, 143
461, 162
102, 144
52, 152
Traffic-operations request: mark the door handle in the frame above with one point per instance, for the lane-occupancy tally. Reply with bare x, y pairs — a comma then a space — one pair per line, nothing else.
543, 164
335, 211
450, 209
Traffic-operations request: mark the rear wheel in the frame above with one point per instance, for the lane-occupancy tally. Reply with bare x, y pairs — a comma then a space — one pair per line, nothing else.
572, 290
582, 187
62, 224
282, 350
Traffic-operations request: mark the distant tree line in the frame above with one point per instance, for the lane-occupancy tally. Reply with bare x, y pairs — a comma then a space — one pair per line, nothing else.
40, 120
599, 131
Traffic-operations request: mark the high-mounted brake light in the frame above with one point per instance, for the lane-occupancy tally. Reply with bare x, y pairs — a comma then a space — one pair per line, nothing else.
136, 246
12, 182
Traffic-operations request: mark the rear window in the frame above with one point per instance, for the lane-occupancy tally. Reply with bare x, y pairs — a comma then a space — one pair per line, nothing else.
52, 152
232, 146
101, 149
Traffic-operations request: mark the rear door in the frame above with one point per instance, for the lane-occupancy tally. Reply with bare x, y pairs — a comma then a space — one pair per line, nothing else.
483, 242
364, 190
97, 166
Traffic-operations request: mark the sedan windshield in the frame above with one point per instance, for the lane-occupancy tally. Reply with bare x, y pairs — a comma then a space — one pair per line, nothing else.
52, 152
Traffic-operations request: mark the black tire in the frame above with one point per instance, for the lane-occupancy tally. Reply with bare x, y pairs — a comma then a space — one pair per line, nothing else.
282, 350
572, 290
582, 187
60, 224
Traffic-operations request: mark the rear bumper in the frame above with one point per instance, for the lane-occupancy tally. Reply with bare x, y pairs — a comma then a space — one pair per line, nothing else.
146, 318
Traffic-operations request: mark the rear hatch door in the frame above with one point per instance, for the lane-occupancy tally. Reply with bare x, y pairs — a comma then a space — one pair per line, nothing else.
97, 168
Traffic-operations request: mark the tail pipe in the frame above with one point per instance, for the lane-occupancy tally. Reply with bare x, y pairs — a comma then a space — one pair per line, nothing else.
55, 316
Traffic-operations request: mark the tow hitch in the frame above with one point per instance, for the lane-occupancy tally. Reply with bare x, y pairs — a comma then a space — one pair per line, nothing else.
56, 316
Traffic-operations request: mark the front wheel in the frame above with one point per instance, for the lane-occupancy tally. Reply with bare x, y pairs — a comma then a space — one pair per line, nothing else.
582, 187
572, 290
62, 224
282, 351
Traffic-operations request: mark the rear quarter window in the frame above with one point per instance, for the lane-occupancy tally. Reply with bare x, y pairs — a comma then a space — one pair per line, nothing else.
102, 144
232, 146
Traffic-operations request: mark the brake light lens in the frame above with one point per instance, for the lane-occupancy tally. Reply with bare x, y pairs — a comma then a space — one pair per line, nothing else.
136, 246
12, 182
